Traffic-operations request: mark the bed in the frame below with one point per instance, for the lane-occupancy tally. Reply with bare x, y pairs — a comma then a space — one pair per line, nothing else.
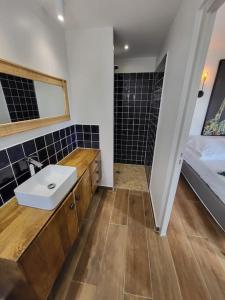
204, 157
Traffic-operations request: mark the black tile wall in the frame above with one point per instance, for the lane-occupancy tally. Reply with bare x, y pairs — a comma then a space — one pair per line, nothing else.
20, 97
47, 149
132, 98
153, 116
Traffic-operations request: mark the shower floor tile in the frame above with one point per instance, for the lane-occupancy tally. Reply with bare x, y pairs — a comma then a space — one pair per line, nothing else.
130, 177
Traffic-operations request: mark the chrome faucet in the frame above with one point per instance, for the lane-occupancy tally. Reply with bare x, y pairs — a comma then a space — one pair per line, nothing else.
33, 163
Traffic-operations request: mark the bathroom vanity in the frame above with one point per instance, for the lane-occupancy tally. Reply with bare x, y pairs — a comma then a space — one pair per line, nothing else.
34, 243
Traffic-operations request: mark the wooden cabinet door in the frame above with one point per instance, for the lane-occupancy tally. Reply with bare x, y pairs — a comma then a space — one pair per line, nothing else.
71, 219
44, 258
82, 195
67, 223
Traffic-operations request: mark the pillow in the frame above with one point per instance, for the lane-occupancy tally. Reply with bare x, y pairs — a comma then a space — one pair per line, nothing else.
208, 147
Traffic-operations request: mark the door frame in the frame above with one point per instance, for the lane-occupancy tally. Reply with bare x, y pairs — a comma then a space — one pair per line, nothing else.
204, 24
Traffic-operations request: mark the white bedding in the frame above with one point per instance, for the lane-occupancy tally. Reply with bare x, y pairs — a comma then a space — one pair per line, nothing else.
207, 170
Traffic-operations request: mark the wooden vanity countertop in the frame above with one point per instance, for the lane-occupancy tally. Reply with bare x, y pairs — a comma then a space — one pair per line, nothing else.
19, 225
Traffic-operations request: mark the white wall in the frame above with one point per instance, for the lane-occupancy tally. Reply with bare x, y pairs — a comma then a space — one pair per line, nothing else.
91, 64
50, 99
4, 112
29, 37
177, 46
136, 65
216, 52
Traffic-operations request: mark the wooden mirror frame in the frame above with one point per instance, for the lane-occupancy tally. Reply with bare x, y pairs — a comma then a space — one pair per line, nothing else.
20, 126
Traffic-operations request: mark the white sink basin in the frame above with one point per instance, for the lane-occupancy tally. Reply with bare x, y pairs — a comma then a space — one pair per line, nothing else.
46, 188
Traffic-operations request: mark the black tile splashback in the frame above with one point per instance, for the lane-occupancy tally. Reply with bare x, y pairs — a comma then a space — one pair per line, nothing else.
48, 149
20, 97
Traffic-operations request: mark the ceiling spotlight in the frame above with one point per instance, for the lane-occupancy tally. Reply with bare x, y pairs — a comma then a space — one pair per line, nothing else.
60, 10
61, 18
126, 47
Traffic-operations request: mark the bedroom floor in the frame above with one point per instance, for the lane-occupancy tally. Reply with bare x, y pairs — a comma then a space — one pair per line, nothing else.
119, 256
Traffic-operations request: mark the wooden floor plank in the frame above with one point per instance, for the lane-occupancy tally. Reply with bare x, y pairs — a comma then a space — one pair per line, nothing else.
193, 216
186, 190
149, 219
165, 285
111, 284
197, 222
92, 209
119, 215
211, 267
133, 297
88, 267
190, 277
188, 264
137, 276
81, 291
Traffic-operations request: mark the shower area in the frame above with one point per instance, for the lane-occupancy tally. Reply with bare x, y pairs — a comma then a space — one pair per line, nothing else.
137, 99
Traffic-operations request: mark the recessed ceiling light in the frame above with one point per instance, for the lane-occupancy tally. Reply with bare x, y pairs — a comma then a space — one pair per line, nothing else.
61, 18
60, 10
126, 47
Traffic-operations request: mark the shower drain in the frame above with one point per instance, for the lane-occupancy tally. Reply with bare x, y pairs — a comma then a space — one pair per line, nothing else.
51, 186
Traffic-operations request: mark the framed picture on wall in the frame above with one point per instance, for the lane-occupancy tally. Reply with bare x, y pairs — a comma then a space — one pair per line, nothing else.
215, 117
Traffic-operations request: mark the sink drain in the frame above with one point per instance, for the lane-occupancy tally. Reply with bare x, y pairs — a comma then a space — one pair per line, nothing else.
51, 186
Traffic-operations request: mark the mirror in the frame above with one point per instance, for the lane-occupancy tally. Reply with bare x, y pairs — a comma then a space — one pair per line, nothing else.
30, 99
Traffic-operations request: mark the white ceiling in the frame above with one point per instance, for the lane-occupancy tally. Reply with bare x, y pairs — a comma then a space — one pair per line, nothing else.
143, 24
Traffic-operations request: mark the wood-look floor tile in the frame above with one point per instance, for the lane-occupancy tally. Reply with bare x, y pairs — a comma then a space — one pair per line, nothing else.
191, 214
133, 297
81, 291
91, 212
137, 276
119, 215
189, 274
149, 219
88, 267
186, 190
165, 285
197, 222
210, 263
136, 221
111, 282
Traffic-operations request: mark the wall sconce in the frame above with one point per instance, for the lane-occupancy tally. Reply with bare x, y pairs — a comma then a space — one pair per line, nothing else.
204, 77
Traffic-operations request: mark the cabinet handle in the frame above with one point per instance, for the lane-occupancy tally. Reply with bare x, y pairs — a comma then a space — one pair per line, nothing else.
72, 205
77, 198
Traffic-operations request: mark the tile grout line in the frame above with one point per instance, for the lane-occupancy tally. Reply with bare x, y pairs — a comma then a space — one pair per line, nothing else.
138, 296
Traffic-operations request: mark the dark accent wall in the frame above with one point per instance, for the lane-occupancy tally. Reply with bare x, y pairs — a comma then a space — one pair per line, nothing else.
20, 97
48, 149
153, 116
132, 98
